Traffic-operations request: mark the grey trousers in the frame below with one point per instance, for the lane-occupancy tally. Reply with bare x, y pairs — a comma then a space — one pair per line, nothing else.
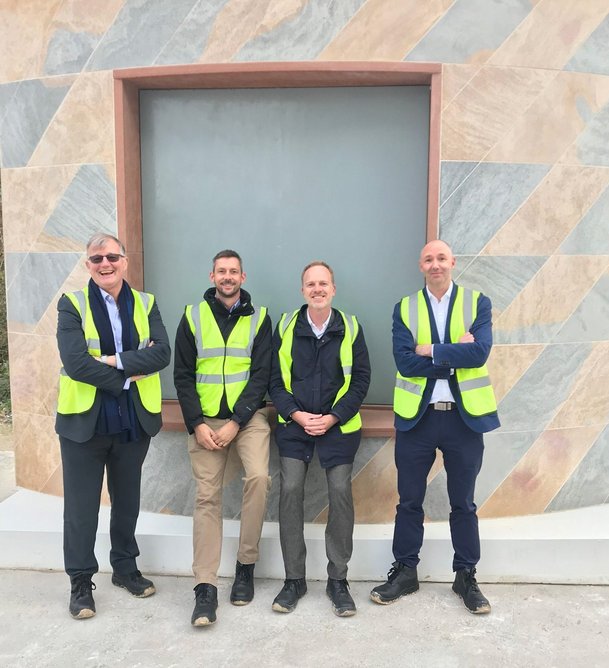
339, 529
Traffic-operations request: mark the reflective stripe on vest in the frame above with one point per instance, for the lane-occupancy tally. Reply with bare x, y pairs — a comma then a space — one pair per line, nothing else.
286, 333
475, 388
222, 366
76, 397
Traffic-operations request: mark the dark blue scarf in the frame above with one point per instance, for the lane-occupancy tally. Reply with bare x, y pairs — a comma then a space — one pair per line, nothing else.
117, 414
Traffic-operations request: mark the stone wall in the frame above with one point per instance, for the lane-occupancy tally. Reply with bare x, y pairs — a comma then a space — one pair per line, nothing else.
524, 203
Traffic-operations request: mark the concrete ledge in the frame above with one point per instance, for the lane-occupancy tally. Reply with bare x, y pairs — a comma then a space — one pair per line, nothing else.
568, 547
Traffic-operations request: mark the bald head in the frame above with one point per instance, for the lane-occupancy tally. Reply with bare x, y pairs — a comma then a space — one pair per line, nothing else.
436, 246
436, 263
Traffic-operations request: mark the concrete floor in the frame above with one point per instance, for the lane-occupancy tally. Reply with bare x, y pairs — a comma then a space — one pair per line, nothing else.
545, 626
531, 625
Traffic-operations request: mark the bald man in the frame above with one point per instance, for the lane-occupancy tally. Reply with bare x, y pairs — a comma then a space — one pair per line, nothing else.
443, 399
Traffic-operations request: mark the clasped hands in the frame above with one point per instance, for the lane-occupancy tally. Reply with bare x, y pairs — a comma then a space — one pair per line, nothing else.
424, 349
314, 424
216, 440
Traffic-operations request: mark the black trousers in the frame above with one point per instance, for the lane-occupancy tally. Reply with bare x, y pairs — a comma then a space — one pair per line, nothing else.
415, 453
83, 474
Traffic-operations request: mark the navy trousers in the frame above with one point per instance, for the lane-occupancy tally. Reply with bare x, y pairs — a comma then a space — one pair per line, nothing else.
83, 474
415, 452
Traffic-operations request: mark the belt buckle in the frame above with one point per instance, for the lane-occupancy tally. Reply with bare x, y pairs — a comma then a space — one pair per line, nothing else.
442, 406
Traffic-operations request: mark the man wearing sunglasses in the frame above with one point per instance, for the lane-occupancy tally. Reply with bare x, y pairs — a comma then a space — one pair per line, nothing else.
112, 344
221, 374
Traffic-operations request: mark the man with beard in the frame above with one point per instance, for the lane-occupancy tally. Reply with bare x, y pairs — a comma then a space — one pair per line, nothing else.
112, 343
221, 374
320, 376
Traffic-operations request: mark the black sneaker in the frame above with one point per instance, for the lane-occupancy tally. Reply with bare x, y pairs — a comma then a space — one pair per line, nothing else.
287, 599
466, 587
242, 591
82, 605
401, 581
338, 593
206, 604
135, 583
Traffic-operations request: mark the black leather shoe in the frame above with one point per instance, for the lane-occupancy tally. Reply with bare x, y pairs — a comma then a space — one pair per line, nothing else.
466, 587
206, 604
135, 583
242, 591
287, 599
401, 581
338, 593
82, 605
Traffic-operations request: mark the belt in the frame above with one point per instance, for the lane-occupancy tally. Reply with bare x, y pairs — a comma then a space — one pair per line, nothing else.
443, 406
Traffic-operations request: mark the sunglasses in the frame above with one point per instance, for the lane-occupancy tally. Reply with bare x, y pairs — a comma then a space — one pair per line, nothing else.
111, 257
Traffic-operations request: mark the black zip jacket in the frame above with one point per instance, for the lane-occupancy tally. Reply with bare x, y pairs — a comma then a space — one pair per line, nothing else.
317, 373
184, 370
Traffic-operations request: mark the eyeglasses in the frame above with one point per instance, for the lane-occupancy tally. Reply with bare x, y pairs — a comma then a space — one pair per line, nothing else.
111, 257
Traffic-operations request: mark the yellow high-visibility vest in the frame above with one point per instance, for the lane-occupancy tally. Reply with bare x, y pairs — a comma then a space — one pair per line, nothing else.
222, 366
77, 397
286, 332
475, 386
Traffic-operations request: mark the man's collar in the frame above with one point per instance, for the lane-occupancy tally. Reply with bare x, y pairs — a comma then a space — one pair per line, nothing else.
445, 296
323, 325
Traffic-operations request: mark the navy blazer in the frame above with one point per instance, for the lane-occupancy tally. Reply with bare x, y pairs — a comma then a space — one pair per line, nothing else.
446, 356
81, 366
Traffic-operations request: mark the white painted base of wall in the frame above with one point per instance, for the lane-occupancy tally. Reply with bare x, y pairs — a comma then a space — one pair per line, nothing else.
568, 547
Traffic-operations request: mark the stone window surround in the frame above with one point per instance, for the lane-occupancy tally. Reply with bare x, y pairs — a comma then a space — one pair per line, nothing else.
377, 420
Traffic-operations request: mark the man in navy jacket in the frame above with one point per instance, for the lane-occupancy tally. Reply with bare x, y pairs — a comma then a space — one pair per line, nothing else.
442, 337
320, 374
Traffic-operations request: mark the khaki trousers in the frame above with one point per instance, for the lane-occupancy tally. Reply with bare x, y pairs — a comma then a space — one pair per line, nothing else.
208, 466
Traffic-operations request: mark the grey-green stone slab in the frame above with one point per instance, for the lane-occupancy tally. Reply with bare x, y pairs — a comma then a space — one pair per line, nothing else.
34, 285
69, 51
167, 482
590, 320
468, 27
436, 505
87, 206
7, 92
587, 485
592, 56
593, 143
502, 451
484, 202
139, 33
189, 40
452, 175
304, 36
591, 235
463, 262
28, 113
500, 277
532, 403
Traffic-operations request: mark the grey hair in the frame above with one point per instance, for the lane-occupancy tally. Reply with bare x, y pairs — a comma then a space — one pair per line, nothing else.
100, 239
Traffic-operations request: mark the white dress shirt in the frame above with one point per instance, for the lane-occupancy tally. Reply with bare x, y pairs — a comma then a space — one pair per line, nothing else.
117, 330
319, 331
441, 390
